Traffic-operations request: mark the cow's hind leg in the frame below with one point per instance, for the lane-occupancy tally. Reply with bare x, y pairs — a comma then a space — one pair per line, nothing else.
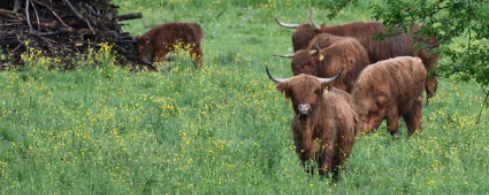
431, 86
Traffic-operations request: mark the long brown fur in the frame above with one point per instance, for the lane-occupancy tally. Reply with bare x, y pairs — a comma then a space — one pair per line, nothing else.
332, 122
392, 46
389, 90
162, 39
336, 52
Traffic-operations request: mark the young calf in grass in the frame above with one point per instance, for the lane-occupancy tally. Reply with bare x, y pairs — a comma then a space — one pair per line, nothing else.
156, 43
390, 89
324, 125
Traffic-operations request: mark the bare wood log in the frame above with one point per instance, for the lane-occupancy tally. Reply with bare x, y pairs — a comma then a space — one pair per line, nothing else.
54, 13
17, 6
51, 26
7, 13
129, 16
64, 29
37, 15
27, 15
67, 2
10, 24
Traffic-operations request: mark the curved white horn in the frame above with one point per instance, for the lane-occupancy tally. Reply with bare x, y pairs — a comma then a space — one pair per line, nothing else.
313, 52
284, 55
294, 26
316, 26
329, 80
277, 80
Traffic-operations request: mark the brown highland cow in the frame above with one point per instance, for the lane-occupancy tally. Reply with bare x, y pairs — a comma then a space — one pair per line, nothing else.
324, 125
367, 33
389, 90
156, 43
335, 53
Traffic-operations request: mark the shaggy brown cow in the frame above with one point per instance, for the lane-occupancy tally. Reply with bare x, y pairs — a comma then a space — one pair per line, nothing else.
367, 33
326, 62
160, 40
324, 126
388, 90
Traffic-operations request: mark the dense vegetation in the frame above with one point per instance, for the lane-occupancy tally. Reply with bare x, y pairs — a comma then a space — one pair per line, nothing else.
223, 129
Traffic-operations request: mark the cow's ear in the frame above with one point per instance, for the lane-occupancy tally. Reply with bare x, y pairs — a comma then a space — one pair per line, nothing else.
282, 87
146, 40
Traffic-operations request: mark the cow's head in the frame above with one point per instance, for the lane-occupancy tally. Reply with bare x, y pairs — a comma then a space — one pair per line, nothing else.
304, 33
144, 48
323, 40
305, 91
304, 61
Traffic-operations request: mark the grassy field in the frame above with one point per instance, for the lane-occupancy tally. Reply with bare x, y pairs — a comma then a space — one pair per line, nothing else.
223, 129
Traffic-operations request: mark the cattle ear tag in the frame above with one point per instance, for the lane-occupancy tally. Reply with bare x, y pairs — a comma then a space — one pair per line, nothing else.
321, 57
325, 90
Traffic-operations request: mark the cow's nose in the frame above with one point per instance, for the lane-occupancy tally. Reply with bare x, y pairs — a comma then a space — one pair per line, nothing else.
304, 108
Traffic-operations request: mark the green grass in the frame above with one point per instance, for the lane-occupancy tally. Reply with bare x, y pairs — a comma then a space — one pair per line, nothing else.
223, 129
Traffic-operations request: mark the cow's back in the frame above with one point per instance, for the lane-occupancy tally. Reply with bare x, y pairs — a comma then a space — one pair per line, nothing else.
176, 32
397, 81
367, 33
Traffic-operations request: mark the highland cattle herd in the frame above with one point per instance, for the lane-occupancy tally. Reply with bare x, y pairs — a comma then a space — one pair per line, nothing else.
347, 79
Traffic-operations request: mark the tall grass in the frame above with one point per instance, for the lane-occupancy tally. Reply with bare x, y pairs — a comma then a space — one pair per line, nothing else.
220, 130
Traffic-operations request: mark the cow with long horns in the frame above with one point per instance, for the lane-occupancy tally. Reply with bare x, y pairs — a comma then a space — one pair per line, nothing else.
389, 90
326, 55
368, 34
324, 125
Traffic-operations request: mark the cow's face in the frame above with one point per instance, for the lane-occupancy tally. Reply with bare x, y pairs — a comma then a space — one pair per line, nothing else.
304, 91
144, 48
303, 63
302, 36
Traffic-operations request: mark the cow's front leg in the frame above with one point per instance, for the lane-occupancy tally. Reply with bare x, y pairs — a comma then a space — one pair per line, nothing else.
328, 154
160, 55
306, 155
327, 157
392, 122
196, 54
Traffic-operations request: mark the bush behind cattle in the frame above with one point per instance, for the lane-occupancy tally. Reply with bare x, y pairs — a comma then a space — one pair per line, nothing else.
83, 132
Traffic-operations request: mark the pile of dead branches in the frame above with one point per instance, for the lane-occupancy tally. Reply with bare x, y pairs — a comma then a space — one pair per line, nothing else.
62, 28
